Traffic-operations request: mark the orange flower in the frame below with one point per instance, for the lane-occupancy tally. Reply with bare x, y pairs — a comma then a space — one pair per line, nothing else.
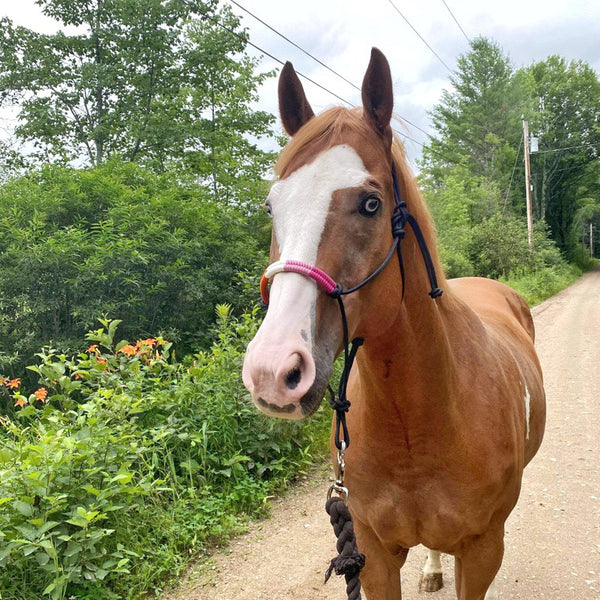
101, 360
3, 380
21, 402
129, 350
92, 348
13, 384
41, 394
148, 342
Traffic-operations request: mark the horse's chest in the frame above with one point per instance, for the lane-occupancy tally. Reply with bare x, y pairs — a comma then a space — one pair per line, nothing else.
436, 512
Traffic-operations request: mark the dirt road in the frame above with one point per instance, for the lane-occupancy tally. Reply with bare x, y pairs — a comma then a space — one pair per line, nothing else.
552, 537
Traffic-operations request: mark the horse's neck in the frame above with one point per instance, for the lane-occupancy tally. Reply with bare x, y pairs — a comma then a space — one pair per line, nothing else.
412, 365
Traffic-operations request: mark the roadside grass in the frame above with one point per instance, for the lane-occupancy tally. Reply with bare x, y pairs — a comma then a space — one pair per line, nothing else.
541, 284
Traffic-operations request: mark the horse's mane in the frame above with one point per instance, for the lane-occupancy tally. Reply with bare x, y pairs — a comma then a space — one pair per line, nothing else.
327, 129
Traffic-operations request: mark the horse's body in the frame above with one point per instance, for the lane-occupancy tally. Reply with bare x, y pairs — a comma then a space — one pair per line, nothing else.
447, 397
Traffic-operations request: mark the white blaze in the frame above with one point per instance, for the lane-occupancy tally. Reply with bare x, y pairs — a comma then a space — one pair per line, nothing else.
300, 203
300, 207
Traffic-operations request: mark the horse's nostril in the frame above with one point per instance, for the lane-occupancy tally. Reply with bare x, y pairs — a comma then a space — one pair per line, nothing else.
292, 379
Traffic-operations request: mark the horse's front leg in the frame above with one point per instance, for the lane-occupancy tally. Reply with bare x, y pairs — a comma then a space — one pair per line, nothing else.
477, 565
380, 577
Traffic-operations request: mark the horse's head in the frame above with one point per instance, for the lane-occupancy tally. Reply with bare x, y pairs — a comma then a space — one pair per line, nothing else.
332, 208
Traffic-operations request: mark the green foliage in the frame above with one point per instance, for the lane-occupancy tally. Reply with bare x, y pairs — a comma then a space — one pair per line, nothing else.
459, 203
473, 177
565, 100
130, 462
478, 120
536, 286
121, 241
132, 82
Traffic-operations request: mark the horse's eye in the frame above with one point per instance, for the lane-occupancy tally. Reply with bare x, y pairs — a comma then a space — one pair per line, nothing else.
268, 208
369, 206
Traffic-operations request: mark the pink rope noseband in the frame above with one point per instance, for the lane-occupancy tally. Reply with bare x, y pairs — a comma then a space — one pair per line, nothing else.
295, 266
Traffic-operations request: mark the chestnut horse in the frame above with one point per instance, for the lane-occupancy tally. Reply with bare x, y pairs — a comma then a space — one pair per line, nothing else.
447, 398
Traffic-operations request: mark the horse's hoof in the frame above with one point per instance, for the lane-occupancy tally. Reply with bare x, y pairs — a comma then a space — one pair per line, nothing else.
431, 582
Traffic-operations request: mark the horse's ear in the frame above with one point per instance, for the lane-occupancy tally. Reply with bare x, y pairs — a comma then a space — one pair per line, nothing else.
293, 106
378, 94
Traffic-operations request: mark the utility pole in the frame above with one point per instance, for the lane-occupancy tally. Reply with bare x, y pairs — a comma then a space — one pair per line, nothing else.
527, 183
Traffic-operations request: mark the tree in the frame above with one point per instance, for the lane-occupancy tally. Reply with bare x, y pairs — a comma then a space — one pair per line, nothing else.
477, 122
458, 206
130, 82
120, 241
565, 108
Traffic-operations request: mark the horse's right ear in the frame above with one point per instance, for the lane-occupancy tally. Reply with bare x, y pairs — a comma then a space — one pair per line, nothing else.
294, 108
378, 94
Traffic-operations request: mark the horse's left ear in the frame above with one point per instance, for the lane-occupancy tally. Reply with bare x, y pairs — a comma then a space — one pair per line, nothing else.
378, 94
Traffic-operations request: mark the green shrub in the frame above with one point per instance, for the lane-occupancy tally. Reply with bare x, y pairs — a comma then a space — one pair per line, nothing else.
121, 241
537, 286
123, 463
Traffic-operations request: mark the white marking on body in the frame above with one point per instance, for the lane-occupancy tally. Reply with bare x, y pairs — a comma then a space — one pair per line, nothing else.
527, 400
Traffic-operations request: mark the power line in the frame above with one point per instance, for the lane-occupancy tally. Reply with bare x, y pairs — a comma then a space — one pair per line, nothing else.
281, 35
247, 41
294, 44
244, 39
420, 36
590, 145
456, 21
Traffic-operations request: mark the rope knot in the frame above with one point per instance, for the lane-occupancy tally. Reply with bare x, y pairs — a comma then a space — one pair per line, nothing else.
338, 403
399, 219
336, 292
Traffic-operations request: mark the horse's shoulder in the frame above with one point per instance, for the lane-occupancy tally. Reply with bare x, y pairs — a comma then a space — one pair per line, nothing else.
492, 300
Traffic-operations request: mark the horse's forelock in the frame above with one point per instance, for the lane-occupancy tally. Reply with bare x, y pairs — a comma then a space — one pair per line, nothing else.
320, 133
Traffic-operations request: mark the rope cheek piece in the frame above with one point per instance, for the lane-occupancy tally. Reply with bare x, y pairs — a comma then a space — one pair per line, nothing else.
349, 561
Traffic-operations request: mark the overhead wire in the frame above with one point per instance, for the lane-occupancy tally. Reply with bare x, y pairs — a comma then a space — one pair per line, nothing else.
456, 21
353, 85
281, 62
278, 60
590, 145
420, 36
281, 35
247, 41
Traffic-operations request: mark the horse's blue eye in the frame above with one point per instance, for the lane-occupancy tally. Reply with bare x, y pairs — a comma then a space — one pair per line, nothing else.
369, 206
268, 208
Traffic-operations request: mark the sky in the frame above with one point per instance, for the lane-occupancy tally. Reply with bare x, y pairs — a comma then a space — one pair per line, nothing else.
341, 33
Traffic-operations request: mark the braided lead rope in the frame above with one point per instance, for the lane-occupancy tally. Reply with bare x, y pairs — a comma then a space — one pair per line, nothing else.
349, 560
